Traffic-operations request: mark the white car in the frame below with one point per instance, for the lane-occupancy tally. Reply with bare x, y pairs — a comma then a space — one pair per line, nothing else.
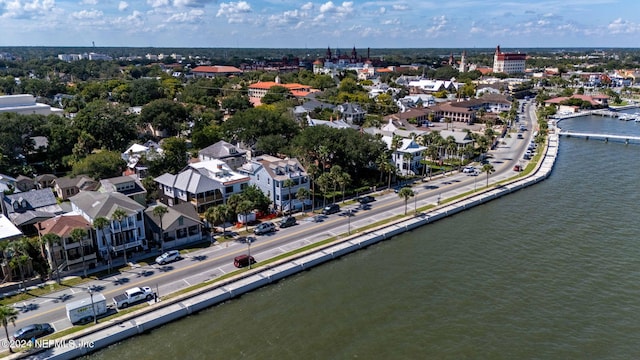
168, 257
469, 170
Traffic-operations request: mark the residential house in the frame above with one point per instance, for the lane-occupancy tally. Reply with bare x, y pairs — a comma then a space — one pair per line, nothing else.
269, 174
203, 184
25, 183
232, 155
7, 183
351, 113
8, 233
429, 86
181, 225
25, 209
135, 155
596, 101
127, 185
127, 234
66, 187
69, 254
414, 116
406, 156
26, 104
45, 181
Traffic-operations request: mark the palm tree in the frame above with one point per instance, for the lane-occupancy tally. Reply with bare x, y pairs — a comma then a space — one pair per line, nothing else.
78, 235
289, 183
302, 194
119, 215
343, 179
406, 157
217, 215
324, 181
8, 314
245, 207
313, 171
488, 168
160, 211
99, 224
20, 257
50, 240
406, 193
335, 173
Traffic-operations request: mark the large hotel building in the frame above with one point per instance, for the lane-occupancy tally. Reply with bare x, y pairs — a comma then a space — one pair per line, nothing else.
508, 63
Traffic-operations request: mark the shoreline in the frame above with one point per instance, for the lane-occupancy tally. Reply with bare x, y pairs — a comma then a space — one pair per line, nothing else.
172, 309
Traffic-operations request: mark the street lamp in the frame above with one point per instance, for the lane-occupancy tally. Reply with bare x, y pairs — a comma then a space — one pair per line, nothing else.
349, 216
249, 251
415, 203
93, 307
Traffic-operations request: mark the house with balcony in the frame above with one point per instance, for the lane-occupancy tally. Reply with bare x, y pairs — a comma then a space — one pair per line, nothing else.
127, 185
181, 225
407, 156
270, 173
222, 150
68, 254
136, 155
203, 184
127, 234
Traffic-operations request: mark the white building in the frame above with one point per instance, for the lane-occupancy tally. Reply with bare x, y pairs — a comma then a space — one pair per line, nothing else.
26, 104
508, 63
407, 156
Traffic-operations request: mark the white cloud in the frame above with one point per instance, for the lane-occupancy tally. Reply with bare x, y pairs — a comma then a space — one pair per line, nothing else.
307, 6
157, 3
619, 26
187, 17
123, 5
191, 3
227, 9
87, 14
382, 10
342, 10
88, 2
401, 7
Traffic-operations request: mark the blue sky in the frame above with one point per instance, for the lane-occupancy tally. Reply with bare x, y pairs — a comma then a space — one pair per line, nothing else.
319, 24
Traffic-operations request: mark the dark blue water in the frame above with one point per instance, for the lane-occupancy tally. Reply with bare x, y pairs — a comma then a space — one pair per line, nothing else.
550, 272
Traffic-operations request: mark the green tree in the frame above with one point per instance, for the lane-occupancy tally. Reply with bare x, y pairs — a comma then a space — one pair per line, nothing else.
100, 224
488, 169
275, 94
78, 235
51, 240
101, 165
164, 115
19, 257
302, 195
8, 314
160, 211
406, 193
218, 215
289, 183
119, 215
109, 124
245, 207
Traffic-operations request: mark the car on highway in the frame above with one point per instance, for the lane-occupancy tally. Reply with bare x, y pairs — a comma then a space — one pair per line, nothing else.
287, 221
33, 331
469, 170
517, 168
241, 261
264, 228
366, 199
331, 209
520, 136
167, 257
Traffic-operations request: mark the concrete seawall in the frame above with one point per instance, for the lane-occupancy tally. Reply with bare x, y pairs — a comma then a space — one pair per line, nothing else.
116, 330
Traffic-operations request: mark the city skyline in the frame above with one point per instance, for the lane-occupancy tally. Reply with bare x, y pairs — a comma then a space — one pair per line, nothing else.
318, 24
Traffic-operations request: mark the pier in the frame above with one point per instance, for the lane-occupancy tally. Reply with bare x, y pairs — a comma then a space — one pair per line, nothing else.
604, 137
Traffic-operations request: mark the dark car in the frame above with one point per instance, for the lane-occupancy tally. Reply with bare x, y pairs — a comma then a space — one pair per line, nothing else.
366, 199
243, 261
33, 331
287, 221
331, 209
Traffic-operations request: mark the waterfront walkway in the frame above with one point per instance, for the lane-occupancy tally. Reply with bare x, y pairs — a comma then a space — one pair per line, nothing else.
605, 137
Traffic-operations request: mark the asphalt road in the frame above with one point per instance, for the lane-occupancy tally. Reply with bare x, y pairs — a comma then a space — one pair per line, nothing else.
217, 260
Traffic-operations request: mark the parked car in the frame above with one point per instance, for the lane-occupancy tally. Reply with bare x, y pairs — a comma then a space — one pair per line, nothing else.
33, 331
264, 228
287, 221
243, 261
366, 199
331, 209
167, 257
520, 136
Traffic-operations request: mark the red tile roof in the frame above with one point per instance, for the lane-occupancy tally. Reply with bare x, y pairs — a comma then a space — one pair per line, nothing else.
217, 69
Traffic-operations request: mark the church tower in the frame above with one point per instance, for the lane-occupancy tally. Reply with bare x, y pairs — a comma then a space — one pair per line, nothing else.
463, 62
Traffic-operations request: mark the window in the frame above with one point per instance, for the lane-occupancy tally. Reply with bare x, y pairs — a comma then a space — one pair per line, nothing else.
228, 189
181, 221
139, 216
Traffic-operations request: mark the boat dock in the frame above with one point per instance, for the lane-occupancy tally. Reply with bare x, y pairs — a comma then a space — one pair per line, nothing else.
604, 137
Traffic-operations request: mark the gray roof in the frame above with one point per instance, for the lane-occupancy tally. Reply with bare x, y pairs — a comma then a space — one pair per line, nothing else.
190, 180
350, 108
221, 150
30, 200
110, 185
96, 204
172, 215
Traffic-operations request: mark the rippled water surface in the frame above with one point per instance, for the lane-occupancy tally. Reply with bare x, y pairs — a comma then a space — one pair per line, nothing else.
550, 272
